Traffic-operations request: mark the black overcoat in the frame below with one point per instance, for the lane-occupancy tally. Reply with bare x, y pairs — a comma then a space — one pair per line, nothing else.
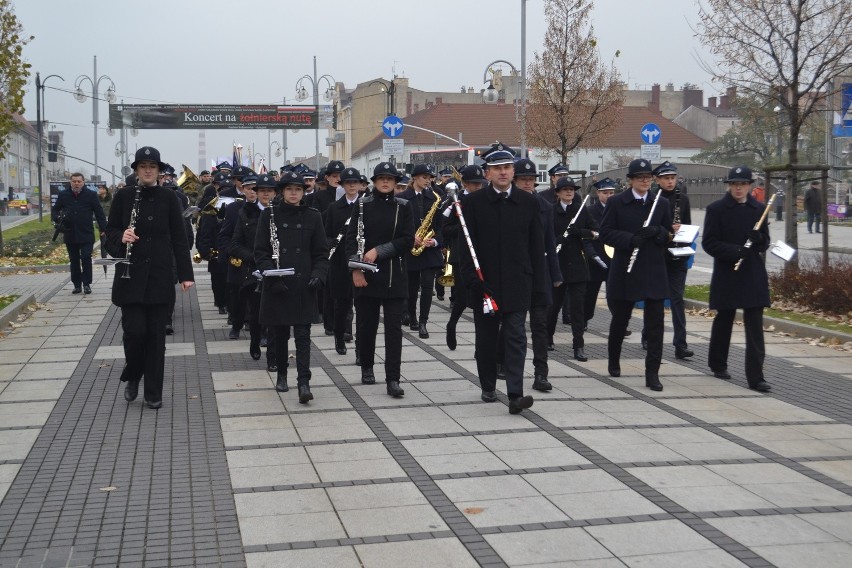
160, 250
205, 240
622, 219
322, 198
552, 269
509, 241
678, 200
302, 246
388, 227
226, 237
242, 243
431, 257
77, 224
335, 217
726, 227
453, 238
576, 251
596, 271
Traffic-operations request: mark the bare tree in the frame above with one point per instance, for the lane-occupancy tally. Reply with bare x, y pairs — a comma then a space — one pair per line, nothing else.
575, 99
793, 48
13, 71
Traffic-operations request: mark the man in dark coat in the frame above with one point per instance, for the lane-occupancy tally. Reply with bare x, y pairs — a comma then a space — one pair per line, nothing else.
422, 268
730, 238
322, 198
209, 222
625, 229
147, 220
599, 262
233, 264
525, 178
813, 206
575, 249
298, 242
73, 213
505, 229
338, 288
381, 232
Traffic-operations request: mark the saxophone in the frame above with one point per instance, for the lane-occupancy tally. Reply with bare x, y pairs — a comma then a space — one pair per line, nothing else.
133, 214
425, 230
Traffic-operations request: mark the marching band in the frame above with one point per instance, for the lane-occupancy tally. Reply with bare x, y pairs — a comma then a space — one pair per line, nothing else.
284, 252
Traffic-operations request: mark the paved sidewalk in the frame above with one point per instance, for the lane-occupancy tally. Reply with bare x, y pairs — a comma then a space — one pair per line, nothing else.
600, 473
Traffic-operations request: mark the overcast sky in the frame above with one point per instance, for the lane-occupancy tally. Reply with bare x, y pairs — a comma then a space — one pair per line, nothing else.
254, 51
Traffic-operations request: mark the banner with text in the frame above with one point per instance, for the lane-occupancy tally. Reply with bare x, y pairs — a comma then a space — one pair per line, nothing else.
212, 116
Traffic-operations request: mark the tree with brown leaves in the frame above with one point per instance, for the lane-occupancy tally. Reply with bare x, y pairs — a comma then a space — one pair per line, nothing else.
13, 71
575, 99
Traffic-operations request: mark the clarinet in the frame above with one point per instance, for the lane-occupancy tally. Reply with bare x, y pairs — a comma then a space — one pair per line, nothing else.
273, 237
645, 224
358, 262
339, 236
676, 216
571, 224
133, 214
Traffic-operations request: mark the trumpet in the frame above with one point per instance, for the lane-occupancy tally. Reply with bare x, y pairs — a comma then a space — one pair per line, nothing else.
447, 278
211, 256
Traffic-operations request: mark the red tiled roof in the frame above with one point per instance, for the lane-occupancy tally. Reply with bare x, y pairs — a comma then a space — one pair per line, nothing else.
483, 124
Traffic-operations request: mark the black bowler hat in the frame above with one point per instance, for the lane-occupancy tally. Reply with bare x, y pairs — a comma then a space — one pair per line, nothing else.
240, 172
639, 166
220, 178
290, 178
499, 154
567, 183
386, 169
665, 169
350, 174
421, 169
249, 180
334, 167
309, 173
265, 180
473, 174
363, 179
740, 173
525, 167
605, 184
558, 169
445, 172
224, 167
404, 180
167, 169
147, 154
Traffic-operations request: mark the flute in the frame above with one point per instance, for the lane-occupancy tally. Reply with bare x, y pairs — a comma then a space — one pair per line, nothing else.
748, 244
571, 224
647, 222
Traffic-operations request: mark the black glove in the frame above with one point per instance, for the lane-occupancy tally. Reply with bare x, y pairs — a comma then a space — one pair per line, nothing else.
274, 285
743, 252
637, 241
648, 232
314, 283
578, 232
479, 288
757, 238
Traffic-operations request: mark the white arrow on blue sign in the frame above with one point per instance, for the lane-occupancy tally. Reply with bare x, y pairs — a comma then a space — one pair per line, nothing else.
392, 126
650, 133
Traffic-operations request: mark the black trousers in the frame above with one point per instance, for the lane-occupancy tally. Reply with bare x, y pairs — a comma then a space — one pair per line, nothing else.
80, 255
325, 306
342, 320
302, 339
219, 283
250, 302
577, 292
459, 299
514, 347
144, 339
540, 339
677, 284
720, 342
593, 287
621, 311
236, 308
367, 325
422, 281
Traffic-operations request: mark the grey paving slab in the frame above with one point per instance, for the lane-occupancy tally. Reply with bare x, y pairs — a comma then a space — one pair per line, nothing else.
547, 547
653, 537
840, 470
604, 504
340, 557
273, 503
693, 559
391, 520
828, 555
31, 390
447, 552
290, 528
772, 530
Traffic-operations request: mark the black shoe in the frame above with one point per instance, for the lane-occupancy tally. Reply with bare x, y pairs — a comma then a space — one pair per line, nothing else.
154, 404
451, 335
683, 353
516, 405
540, 383
329, 332
230, 321
222, 310
586, 327
422, 332
347, 337
367, 376
414, 326
761, 386
357, 358
305, 394
281, 384
501, 372
406, 319
551, 347
394, 389
87, 289
131, 391
234, 333
580, 354
339, 346
614, 370
76, 290
489, 396
254, 349
645, 344
264, 341
441, 297
170, 330
724, 375
272, 366
628, 333
652, 381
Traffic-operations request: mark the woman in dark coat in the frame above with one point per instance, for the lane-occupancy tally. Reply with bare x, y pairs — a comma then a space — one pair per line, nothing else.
298, 234
388, 233
158, 248
728, 225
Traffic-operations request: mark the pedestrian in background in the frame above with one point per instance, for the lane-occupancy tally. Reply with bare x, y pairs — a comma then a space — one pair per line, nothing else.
813, 206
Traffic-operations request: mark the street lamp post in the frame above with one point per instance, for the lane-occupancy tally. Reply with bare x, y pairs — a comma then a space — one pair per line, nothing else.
40, 128
491, 95
390, 89
95, 82
302, 94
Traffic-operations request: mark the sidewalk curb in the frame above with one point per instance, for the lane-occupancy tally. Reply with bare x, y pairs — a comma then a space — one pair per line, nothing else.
37, 268
793, 328
11, 312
